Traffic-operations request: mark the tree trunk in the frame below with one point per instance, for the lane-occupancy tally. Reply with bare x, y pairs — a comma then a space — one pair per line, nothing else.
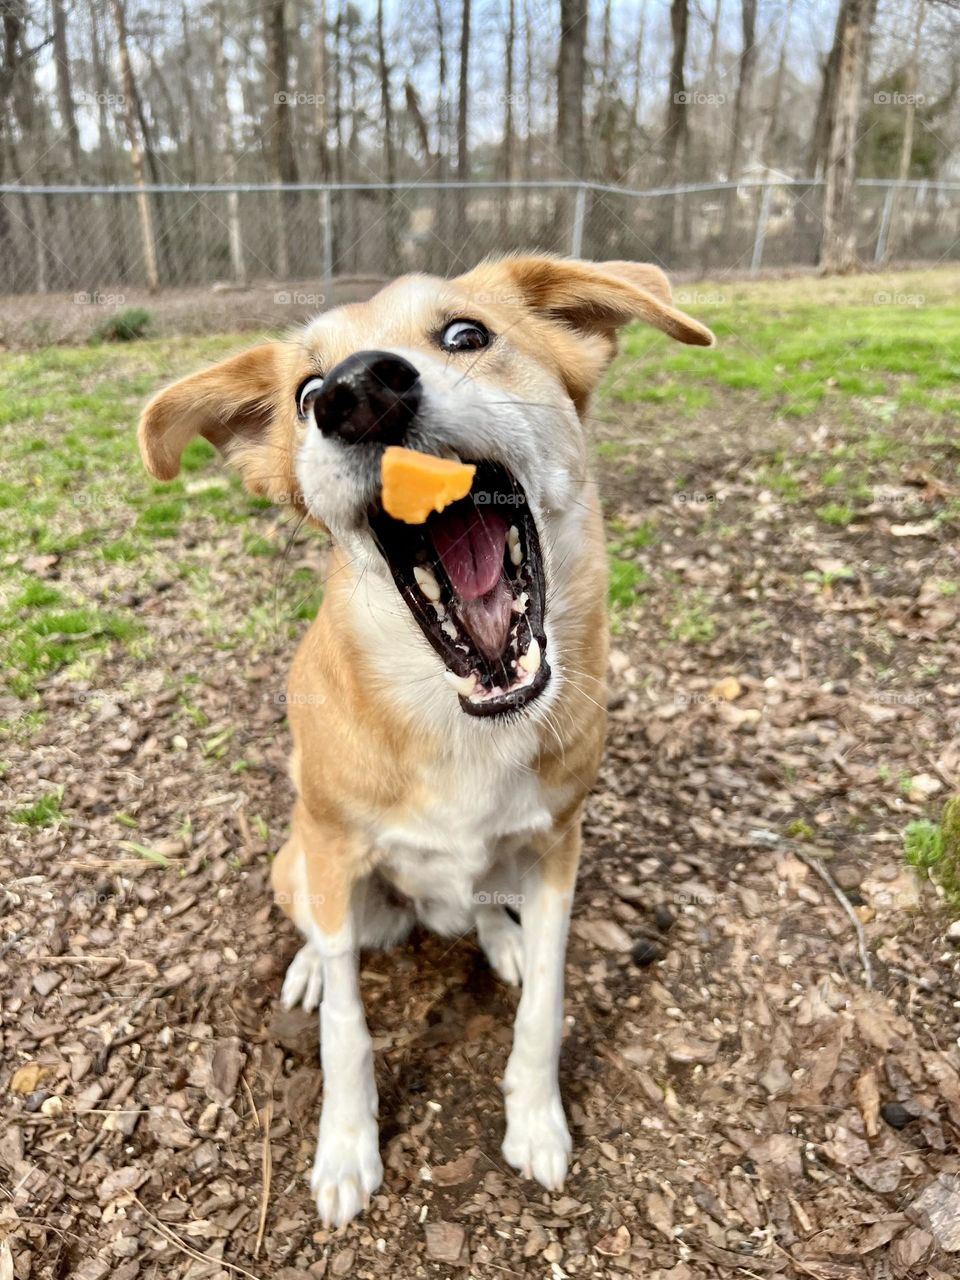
65, 88
838, 245
320, 76
823, 124
282, 158
909, 122
675, 127
742, 99
571, 76
773, 123
506, 152
226, 145
634, 130
463, 142
741, 109
386, 109
130, 100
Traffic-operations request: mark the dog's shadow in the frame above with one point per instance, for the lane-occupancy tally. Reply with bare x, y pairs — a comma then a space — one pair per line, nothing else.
465, 1015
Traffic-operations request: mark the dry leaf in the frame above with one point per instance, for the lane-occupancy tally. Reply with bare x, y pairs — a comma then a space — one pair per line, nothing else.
456, 1171
28, 1077
660, 1213
614, 1245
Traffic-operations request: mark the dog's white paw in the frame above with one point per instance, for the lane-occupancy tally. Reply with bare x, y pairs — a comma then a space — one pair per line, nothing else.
501, 939
347, 1169
303, 983
537, 1142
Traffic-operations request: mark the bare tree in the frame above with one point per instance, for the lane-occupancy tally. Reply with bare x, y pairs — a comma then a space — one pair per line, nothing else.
320, 78
280, 145
571, 77
742, 99
227, 145
463, 143
675, 136
506, 147
68, 114
838, 246
386, 110
675, 125
131, 99
776, 100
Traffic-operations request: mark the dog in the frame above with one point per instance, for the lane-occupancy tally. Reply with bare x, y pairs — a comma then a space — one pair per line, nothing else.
448, 703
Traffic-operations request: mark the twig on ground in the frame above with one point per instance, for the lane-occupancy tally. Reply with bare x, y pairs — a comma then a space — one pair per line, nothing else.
267, 1170
816, 865
172, 1238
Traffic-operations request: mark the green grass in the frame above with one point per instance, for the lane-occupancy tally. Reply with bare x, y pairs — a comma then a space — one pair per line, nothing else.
933, 849
44, 811
793, 351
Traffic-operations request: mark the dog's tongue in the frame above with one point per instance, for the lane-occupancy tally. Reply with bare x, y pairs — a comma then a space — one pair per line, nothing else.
470, 546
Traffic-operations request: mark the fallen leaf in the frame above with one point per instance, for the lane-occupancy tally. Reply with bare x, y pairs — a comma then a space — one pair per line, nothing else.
455, 1172
939, 1205
26, 1079
614, 1245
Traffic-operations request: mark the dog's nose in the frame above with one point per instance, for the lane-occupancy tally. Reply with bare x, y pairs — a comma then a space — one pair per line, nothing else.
371, 396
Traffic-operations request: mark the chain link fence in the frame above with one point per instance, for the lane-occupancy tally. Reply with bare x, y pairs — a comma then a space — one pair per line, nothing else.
101, 241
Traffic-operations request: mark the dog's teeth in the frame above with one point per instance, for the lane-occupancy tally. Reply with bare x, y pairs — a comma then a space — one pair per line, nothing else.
464, 685
513, 543
439, 610
530, 661
427, 582
520, 605
449, 629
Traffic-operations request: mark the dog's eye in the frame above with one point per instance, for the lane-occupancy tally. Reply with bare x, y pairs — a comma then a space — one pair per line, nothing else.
306, 394
464, 335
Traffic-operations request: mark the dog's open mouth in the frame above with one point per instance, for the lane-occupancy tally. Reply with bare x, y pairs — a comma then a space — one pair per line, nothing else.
472, 577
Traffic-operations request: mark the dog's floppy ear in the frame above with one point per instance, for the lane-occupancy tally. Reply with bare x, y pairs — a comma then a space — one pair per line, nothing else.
236, 405
594, 297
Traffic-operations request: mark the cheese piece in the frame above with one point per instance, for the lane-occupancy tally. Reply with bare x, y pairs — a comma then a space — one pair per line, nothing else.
416, 484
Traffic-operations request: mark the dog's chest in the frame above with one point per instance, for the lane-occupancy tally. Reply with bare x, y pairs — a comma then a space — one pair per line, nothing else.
471, 817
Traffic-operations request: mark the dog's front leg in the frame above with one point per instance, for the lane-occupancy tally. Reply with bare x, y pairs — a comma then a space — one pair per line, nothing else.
347, 1168
537, 1141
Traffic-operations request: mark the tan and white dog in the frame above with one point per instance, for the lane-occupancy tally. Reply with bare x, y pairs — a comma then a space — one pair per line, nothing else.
448, 703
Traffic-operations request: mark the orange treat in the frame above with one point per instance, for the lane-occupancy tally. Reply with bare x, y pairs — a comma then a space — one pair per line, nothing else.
415, 484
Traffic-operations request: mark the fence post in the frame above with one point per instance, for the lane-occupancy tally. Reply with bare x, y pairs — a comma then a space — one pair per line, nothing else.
884, 233
579, 215
327, 248
760, 235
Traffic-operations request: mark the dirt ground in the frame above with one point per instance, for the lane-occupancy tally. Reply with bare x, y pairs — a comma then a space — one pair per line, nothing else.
762, 1070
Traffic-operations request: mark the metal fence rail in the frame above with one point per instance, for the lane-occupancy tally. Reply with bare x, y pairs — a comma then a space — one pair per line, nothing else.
100, 240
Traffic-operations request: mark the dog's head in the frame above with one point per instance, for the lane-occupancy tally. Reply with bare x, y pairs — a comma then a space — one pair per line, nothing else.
494, 368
